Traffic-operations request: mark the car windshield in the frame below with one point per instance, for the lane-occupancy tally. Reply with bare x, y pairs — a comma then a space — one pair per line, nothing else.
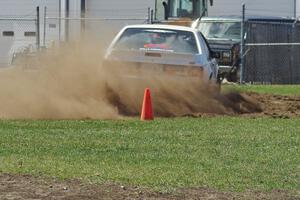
158, 40
221, 30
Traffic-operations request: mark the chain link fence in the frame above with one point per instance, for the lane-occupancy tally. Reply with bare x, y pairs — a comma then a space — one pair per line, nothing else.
100, 24
272, 49
44, 28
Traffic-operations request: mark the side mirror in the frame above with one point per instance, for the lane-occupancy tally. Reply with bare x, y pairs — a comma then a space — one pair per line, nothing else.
211, 2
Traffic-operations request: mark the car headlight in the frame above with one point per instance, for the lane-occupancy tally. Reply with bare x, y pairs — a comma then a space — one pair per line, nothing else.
226, 54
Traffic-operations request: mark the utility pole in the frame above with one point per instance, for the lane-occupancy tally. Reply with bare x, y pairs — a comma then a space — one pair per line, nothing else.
242, 45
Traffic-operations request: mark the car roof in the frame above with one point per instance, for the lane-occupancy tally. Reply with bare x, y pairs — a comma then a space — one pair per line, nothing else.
162, 26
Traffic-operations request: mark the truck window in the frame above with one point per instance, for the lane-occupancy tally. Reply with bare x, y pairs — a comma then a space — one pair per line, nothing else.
185, 8
180, 8
220, 30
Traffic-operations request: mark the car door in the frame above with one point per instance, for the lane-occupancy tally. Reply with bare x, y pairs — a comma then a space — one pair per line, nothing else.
212, 62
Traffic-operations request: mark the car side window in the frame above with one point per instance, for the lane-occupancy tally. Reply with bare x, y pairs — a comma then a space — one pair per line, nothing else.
204, 45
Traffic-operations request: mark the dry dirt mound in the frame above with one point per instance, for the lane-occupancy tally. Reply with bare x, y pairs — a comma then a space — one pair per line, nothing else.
168, 103
257, 105
278, 106
27, 187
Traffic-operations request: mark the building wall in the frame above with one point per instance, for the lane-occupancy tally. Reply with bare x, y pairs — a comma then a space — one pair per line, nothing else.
12, 15
117, 8
280, 8
115, 15
94, 9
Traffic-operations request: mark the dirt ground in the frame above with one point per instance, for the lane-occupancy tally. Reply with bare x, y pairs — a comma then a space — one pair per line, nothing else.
278, 106
258, 105
27, 188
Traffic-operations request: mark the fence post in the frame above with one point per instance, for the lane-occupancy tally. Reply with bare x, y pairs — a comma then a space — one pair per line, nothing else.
242, 45
295, 9
67, 20
149, 15
155, 10
38, 27
82, 18
291, 61
59, 21
152, 15
45, 25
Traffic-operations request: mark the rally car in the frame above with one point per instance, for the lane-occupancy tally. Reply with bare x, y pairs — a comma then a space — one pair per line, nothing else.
161, 49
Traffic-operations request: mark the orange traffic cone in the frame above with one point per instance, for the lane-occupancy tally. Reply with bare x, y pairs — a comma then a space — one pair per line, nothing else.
147, 112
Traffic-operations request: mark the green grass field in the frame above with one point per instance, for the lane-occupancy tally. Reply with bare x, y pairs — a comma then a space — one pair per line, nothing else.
225, 153
231, 154
265, 89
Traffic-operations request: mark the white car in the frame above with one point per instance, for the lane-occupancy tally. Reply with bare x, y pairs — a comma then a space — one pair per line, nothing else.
176, 50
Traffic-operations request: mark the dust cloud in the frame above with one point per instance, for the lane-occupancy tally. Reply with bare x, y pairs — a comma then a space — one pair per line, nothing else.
62, 83
70, 82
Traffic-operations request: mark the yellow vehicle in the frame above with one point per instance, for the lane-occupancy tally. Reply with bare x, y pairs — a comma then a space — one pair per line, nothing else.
180, 12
